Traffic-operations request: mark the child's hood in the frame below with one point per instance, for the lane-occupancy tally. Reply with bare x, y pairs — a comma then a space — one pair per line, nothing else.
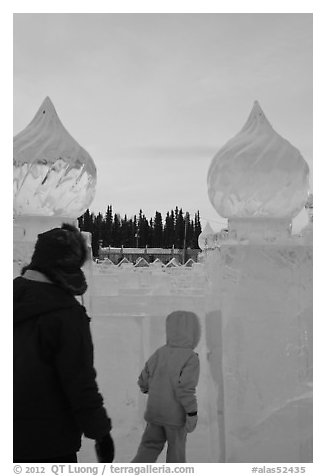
182, 329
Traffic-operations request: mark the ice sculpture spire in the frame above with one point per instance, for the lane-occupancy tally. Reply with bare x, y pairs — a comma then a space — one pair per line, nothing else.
258, 174
53, 174
206, 238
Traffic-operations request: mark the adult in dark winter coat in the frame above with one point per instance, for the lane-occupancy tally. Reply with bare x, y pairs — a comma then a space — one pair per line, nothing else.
56, 398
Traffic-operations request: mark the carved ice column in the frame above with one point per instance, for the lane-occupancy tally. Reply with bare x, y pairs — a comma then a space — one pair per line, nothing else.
212, 332
54, 181
263, 280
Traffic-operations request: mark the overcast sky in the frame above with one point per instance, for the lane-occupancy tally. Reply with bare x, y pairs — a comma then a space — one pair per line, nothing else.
152, 97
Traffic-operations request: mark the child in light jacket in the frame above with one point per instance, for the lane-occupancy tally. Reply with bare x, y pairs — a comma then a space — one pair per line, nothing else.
170, 377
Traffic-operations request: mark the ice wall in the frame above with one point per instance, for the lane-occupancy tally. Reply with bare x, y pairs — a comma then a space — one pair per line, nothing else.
265, 315
128, 323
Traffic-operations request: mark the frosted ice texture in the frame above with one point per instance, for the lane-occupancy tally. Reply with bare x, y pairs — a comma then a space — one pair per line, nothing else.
53, 175
258, 173
266, 307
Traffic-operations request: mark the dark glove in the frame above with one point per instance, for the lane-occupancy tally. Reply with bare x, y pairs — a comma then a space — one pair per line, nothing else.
191, 422
105, 449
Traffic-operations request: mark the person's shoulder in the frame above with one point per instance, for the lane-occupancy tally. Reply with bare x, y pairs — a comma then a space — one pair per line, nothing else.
160, 350
63, 305
75, 309
156, 353
72, 317
69, 305
63, 300
189, 356
18, 283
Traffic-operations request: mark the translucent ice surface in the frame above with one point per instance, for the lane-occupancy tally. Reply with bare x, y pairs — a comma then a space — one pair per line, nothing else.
53, 175
266, 308
258, 173
206, 237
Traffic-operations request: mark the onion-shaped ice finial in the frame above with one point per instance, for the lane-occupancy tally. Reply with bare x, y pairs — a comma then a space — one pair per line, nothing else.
53, 174
206, 238
258, 173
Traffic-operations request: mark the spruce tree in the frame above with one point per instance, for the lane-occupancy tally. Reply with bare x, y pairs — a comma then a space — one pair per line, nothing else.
107, 235
158, 231
116, 231
197, 229
168, 233
179, 228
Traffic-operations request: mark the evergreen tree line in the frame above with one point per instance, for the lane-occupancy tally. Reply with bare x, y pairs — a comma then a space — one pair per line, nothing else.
178, 230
